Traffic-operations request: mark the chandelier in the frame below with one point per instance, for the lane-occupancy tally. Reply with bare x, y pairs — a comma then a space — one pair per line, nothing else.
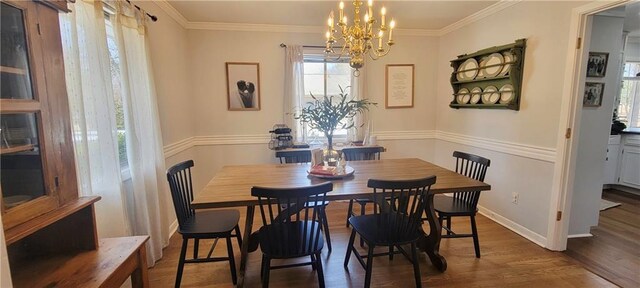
358, 40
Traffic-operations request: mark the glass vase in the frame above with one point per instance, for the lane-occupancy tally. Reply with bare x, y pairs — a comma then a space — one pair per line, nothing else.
329, 155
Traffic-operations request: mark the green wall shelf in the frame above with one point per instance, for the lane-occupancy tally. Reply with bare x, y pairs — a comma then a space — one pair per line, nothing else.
514, 77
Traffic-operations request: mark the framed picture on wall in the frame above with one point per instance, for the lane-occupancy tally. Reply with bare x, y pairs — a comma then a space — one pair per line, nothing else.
597, 64
399, 86
243, 86
593, 94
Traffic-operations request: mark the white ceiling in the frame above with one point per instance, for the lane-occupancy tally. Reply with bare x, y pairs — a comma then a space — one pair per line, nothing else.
408, 14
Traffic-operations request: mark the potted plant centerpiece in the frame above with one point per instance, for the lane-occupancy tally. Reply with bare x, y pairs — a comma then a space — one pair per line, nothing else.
329, 113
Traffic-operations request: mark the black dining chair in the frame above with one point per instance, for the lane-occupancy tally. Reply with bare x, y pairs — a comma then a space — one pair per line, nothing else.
360, 154
291, 228
396, 221
463, 204
200, 224
294, 156
304, 156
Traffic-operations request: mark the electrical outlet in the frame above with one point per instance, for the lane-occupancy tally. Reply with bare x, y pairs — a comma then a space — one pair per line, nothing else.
514, 197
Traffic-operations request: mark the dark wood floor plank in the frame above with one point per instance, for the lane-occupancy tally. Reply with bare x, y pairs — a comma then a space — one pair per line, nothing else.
508, 260
614, 250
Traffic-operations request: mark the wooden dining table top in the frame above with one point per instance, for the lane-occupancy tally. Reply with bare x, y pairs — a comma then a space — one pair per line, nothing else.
231, 187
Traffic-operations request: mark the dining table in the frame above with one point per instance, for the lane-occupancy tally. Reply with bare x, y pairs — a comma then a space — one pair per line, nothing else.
231, 187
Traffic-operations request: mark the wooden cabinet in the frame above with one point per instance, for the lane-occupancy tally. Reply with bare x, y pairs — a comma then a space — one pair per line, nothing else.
36, 153
50, 232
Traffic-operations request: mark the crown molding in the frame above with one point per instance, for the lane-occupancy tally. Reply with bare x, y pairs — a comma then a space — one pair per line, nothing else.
247, 27
219, 26
501, 5
172, 12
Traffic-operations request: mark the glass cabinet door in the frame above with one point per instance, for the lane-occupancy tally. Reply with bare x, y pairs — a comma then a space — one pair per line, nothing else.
14, 58
23, 174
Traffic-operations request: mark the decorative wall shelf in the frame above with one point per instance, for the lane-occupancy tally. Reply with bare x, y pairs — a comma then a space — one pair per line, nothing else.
498, 68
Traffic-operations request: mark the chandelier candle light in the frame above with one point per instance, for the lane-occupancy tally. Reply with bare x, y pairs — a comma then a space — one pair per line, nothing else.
358, 40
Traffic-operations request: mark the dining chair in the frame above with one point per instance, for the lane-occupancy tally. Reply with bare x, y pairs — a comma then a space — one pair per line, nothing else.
463, 204
200, 224
360, 154
396, 221
304, 156
294, 156
291, 228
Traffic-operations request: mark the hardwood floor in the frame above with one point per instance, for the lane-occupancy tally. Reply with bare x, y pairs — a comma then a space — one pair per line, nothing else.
507, 260
614, 250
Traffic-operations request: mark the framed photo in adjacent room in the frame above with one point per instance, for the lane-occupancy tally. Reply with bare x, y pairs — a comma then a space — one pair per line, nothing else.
593, 94
399, 86
597, 64
243, 86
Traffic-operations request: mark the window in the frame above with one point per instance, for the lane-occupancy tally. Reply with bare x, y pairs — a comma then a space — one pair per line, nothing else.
629, 107
114, 61
324, 76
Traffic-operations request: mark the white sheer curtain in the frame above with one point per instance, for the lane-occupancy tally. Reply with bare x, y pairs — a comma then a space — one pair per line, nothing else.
358, 91
144, 139
91, 101
92, 105
293, 88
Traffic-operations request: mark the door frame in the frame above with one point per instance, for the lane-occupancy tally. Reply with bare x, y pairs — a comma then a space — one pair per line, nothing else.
570, 116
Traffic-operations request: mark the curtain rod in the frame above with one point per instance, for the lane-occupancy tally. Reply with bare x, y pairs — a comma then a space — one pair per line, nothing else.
152, 17
304, 46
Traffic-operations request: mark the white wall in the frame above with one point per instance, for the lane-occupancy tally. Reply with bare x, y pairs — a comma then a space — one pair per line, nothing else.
545, 25
595, 125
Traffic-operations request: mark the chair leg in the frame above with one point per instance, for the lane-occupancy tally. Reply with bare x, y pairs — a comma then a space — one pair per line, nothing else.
416, 265
238, 235
349, 248
391, 252
183, 254
474, 231
448, 225
320, 271
267, 268
325, 224
196, 245
313, 261
362, 212
232, 261
367, 277
262, 266
350, 211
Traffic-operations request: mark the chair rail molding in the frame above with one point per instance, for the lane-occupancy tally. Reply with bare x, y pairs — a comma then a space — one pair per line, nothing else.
517, 149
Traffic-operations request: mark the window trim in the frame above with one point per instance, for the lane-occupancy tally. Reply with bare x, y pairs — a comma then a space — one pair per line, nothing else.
305, 129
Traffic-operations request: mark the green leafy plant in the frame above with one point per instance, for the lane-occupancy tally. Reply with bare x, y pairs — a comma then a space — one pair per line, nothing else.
326, 114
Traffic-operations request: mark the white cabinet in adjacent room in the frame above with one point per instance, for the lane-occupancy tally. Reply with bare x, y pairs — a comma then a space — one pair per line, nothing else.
611, 163
630, 161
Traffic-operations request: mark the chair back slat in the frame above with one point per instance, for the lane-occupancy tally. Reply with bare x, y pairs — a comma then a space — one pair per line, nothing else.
363, 153
399, 204
301, 156
293, 206
181, 186
472, 166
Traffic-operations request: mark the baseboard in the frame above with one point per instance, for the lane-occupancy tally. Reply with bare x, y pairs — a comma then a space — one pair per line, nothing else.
173, 228
513, 226
625, 189
580, 235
